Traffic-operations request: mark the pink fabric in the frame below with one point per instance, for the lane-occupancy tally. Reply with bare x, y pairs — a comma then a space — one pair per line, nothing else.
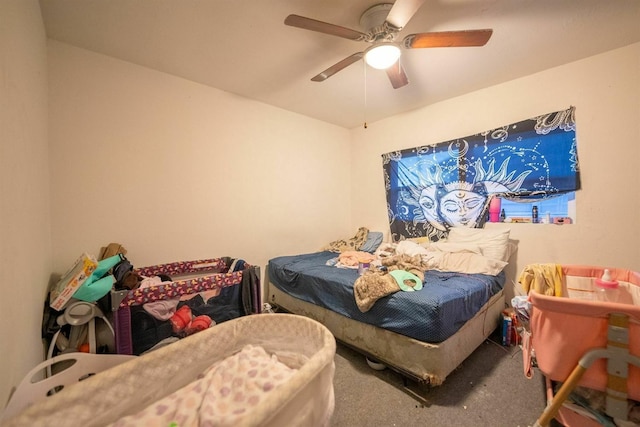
353, 258
564, 329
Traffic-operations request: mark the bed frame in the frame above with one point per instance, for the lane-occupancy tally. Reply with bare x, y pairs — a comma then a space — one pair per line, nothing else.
426, 363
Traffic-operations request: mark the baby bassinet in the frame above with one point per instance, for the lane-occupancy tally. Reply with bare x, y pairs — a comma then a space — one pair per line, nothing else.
579, 340
305, 399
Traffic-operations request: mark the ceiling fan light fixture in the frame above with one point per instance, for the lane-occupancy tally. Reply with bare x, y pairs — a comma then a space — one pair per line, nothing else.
382, 55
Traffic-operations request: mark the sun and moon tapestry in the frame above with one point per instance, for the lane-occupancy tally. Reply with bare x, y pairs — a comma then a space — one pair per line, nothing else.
450, 184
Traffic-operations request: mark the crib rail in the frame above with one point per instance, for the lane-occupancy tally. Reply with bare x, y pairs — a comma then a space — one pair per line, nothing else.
214, 265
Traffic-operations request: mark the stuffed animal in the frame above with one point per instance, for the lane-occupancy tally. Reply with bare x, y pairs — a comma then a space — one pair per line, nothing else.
184, 323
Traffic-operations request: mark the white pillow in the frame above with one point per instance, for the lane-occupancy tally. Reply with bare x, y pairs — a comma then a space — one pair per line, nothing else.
464, 262
493, 243
446, 246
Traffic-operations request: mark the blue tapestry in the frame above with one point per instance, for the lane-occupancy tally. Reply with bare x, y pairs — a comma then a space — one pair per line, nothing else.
432, 188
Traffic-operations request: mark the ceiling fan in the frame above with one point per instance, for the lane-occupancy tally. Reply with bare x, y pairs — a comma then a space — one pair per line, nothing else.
382, 24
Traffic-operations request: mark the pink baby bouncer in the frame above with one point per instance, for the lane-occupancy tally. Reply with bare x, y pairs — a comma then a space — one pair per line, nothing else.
580, 341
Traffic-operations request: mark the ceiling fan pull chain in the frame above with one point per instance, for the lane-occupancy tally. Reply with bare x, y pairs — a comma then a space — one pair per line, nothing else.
364, 66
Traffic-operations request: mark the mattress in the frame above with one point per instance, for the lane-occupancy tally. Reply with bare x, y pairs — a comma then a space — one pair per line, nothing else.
433, 314
424, 362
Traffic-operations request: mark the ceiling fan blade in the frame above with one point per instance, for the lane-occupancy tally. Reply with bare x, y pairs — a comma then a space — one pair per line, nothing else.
402, 11
337, 67
448, 39
323, 27
397, 76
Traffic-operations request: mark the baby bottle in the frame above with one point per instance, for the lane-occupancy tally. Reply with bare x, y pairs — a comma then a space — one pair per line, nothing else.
607, 288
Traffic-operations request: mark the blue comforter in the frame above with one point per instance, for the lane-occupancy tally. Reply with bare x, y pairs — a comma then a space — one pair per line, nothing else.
446, 301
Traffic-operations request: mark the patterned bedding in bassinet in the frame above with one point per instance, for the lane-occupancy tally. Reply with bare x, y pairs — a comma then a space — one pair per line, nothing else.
222, 396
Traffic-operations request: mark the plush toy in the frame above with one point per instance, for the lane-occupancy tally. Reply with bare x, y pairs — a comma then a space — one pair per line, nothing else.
184, 323
130, 280
124, 275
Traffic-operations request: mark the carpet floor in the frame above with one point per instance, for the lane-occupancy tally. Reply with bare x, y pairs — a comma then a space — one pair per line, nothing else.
488, 389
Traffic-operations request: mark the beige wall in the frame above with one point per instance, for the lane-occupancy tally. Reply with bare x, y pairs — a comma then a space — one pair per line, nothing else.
174, 170
605, 90
25, 245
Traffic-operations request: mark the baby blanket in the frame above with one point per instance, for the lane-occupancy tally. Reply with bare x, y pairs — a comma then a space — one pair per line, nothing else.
225, 393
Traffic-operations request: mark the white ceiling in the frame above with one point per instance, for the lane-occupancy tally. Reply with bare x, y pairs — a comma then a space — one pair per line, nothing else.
243, 46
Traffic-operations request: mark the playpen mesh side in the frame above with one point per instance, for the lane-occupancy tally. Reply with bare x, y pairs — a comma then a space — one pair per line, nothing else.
213, 275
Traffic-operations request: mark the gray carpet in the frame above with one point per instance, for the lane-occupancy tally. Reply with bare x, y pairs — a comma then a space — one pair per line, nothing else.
488, 389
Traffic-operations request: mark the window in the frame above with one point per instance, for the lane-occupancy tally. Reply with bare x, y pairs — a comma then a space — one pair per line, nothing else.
560, 206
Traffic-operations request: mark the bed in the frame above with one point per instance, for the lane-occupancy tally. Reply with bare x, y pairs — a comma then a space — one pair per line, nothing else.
142, 389
423, 335
220, 288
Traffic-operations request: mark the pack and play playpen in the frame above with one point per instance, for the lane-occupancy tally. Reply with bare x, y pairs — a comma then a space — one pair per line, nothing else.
578, 340
222, 288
